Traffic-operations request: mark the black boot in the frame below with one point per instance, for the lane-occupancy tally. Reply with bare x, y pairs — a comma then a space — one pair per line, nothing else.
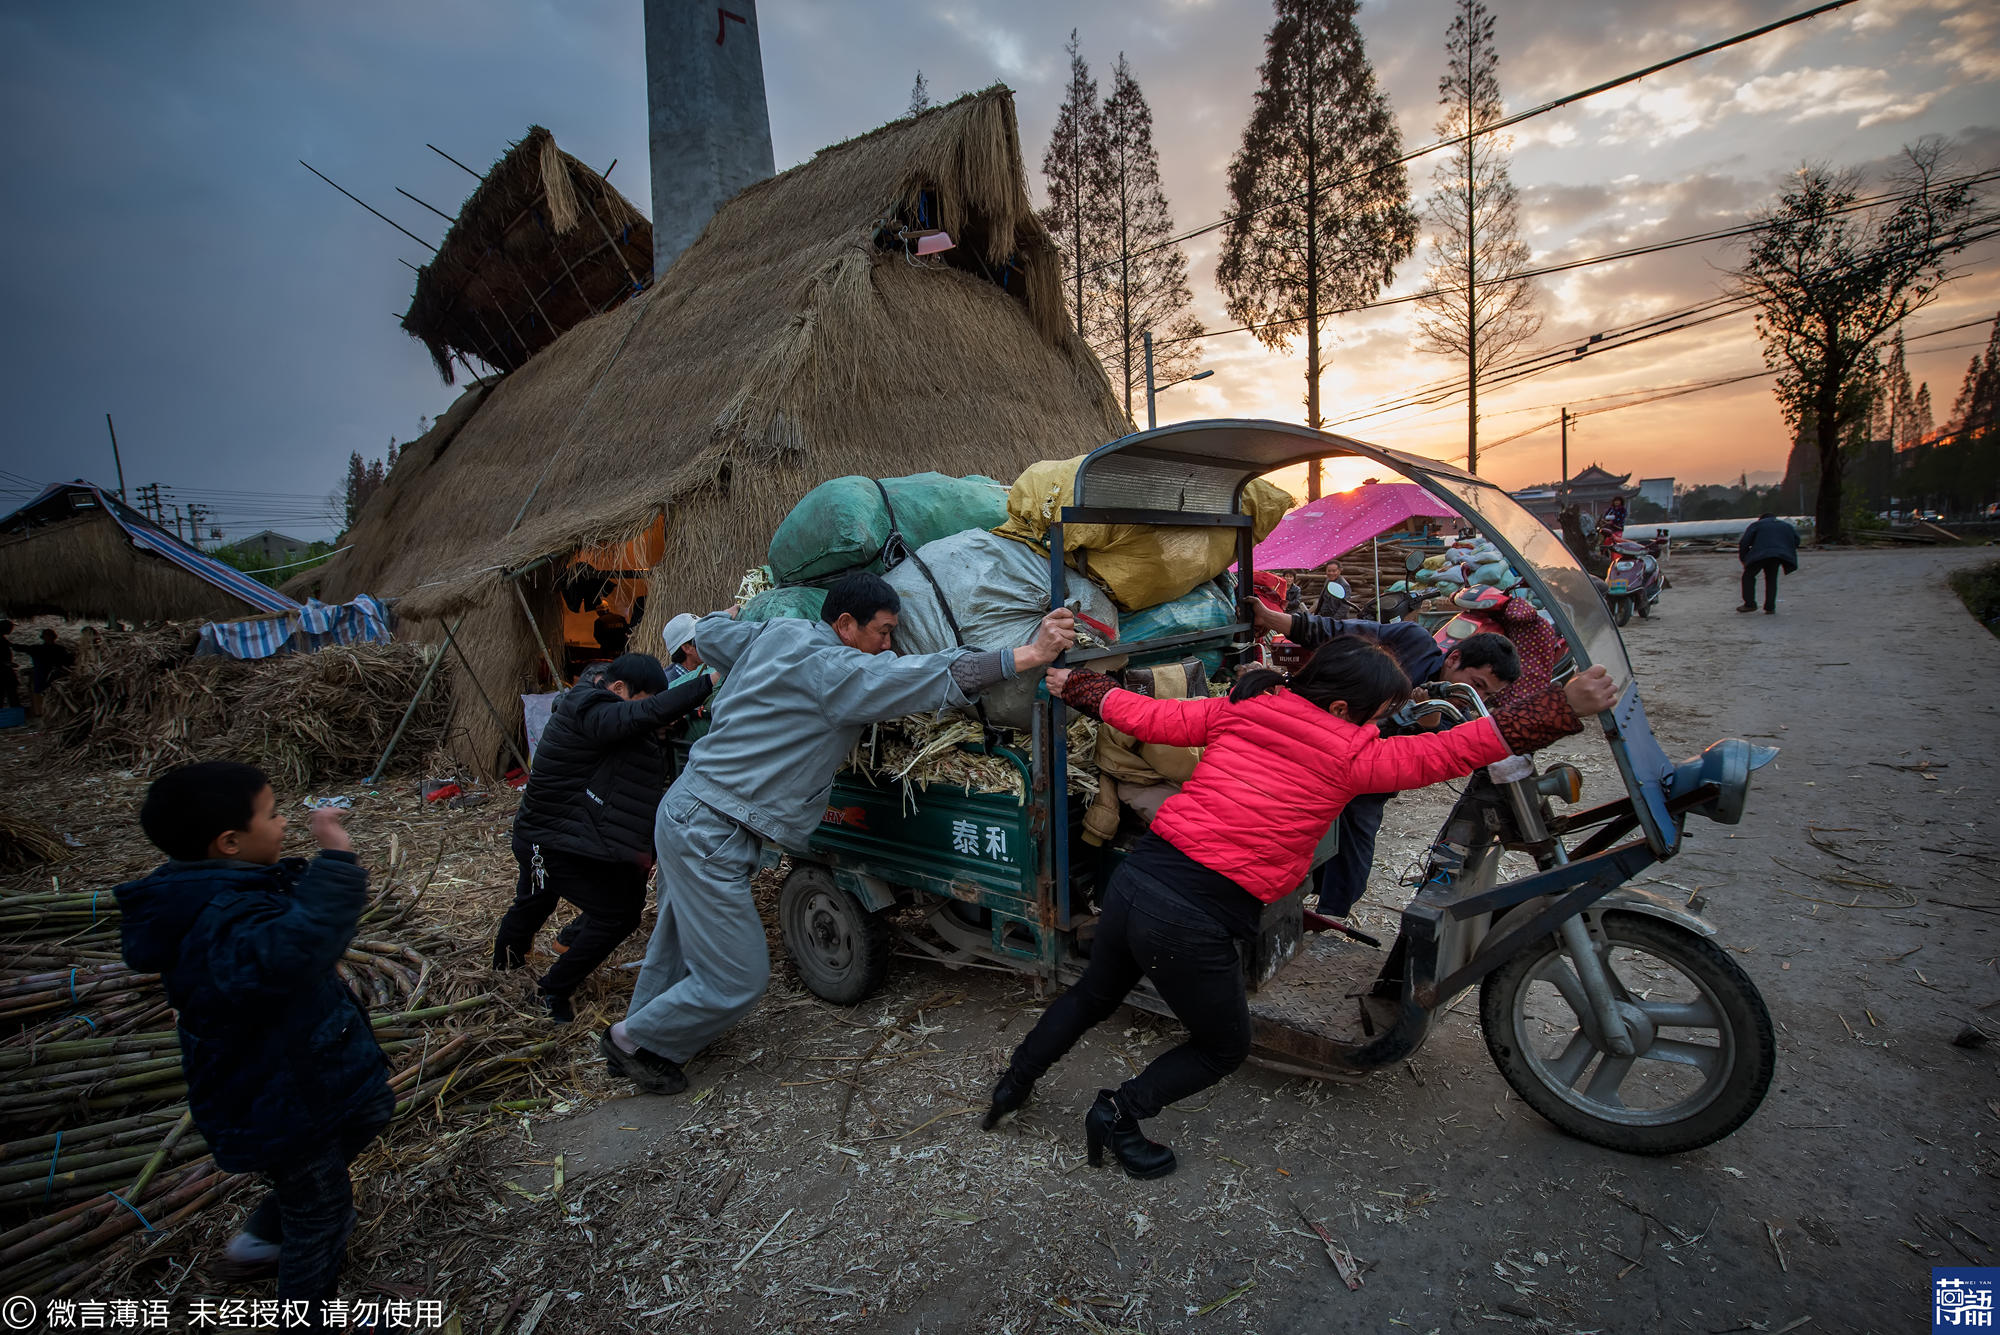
1008, 1096
1107, 1120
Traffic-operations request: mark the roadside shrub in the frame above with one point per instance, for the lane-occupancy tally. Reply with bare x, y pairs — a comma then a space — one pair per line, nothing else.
1979, 586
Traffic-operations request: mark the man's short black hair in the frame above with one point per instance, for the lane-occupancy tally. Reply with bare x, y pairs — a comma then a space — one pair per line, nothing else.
48, 634
860, 595
1489, 650
1768, 514
641, 673
190, 806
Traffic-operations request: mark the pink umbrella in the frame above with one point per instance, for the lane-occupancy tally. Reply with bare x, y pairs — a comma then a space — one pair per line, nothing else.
1331, 526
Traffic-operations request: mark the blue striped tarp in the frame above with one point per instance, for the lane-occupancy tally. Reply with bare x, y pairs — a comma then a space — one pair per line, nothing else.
312, 627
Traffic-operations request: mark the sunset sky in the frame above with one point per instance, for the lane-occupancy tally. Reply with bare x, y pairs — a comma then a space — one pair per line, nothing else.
173, 265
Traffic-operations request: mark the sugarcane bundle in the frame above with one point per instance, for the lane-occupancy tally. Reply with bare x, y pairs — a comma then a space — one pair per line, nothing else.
74, 1192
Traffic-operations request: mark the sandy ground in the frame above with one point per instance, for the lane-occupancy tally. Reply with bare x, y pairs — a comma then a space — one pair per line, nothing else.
826, 1169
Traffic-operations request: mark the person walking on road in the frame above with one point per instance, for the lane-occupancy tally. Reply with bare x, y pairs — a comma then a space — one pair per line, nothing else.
795, 699
1765, 546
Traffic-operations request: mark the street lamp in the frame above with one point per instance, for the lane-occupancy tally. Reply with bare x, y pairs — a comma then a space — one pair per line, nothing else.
1152, 390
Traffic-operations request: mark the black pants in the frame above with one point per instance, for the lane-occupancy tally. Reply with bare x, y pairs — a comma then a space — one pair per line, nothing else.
611, 896
1191, 959
309, 1212
1343, 878
1770, 566
10, 687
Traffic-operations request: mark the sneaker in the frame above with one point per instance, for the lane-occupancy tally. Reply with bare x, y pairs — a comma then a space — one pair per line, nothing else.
555, 1007
247, 1258
1747, 607
651, 1072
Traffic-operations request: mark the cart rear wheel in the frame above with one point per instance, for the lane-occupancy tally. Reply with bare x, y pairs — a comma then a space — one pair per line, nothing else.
840, 949
1705, 1055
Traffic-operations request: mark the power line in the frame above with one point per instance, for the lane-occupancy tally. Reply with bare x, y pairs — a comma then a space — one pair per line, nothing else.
1564, 266
1677, 391
1501, 124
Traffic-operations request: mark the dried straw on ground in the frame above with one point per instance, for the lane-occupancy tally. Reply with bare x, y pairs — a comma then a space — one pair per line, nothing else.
542, 244
26, 842
146, 704
784, 347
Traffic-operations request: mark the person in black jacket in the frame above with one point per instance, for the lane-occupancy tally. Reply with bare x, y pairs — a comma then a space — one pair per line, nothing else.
283, 1073
1766, 547
585, 830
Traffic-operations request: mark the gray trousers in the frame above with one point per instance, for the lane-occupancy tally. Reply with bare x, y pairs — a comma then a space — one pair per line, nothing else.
707, 963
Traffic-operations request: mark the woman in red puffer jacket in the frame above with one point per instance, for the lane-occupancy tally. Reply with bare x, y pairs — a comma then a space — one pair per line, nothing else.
1280, 760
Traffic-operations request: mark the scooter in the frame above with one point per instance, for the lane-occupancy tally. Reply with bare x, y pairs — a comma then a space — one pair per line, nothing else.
1634, 575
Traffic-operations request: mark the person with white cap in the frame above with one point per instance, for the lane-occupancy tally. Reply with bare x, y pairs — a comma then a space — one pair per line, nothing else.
679, 640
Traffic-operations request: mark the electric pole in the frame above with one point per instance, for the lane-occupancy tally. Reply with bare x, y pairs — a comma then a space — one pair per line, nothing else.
1565, 434
195, 515
149, 501
114, 455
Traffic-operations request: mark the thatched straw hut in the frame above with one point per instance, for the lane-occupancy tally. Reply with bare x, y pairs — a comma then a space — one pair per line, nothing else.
798, 339
76, 551
542, 244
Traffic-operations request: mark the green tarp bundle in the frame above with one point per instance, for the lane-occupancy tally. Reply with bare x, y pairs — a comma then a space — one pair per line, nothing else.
841, 525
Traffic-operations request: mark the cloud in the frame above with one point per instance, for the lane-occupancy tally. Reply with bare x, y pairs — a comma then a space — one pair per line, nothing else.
1799, 95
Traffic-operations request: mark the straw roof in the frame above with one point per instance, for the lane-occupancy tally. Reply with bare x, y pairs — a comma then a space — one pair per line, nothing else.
542, 244
86, 566
796, 340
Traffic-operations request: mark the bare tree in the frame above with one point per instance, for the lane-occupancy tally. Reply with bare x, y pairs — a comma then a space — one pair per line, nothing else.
1830, 278
1145, 285
920, 95
1320, 204
1073, 167
1481, 311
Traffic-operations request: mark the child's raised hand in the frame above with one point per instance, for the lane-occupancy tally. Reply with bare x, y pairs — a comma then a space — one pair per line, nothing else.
327, 831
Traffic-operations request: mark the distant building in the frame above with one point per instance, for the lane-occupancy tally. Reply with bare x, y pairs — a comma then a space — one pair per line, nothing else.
1590, 491
1658, 490
273, 546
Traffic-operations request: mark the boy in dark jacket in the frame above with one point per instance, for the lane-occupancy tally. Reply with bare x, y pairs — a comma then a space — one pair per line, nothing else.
585, 830
283, 1072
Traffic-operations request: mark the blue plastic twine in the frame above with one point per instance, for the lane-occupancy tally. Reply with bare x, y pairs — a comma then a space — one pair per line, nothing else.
134, 1209
49, 1188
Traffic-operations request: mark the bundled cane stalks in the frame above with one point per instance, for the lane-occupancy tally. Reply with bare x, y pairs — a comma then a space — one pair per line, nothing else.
915, 752
146, 703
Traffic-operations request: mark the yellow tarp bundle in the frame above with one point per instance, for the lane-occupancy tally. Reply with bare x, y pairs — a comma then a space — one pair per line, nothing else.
1141, 566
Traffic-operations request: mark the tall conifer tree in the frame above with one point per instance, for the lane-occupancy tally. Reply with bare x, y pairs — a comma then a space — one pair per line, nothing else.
1479, 315
1319, 204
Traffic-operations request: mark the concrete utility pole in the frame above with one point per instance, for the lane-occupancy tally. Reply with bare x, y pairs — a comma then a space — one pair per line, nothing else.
707, 123
1565, 478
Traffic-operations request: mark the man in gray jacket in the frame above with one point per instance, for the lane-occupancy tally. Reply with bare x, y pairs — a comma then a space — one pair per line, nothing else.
795, 699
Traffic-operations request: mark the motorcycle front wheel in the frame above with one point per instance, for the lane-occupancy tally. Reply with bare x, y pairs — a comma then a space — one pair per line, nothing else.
1621, 610
1704, 1051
